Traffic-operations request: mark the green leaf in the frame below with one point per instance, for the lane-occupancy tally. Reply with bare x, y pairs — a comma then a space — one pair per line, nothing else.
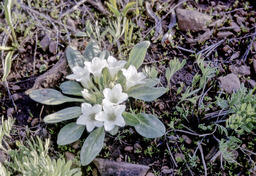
70, 133
64, 114
149, 126
8, 17
146, 93
113, 9
148, 83
7, 65
51, 97
137, 54
74, 58
92, 146
130, 119
92, 50
71, 88
128, 6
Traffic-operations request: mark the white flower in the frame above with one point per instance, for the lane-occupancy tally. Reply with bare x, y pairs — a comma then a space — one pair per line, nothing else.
96, 65
88, 116
114, 66
81, 75
114, 95
111, 116
133, 77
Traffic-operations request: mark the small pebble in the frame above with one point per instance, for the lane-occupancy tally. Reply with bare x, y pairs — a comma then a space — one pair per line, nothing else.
69, 156
34, 122
128, 149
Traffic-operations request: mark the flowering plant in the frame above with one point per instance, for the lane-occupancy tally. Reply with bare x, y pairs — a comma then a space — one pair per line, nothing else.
102, 84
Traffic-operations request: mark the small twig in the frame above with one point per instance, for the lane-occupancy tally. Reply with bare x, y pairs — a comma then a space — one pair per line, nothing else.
191, 173
202, 156
244, 57
34, 58
172, 158
41, 112
72, 9
160, 22
184, 49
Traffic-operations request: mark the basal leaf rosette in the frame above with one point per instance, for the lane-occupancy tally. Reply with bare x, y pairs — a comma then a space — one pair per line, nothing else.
102, 84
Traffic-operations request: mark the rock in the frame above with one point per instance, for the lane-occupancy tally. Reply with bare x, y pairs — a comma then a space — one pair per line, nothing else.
15, 87
186, 139
179, 157
218, 23
205, 36
166, 170
224, 34
16, 96
251, 19
69, 156
192, 20
252, 83
150, 174
10, 111
3, 157
53, 47
242, 70
137, 146
235, 27
230, 83
71, 23
107, 168
254, 65
45, 42
128, 149
76, 145
235, 55
34, 122
240, 20
226, 48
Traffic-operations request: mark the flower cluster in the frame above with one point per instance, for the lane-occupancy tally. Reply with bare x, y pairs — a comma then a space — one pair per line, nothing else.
104, 106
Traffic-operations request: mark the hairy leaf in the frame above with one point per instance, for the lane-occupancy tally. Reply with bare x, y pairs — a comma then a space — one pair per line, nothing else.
74, 57
137, 54
146, 93
71, 88
149, 126
92, 146
92, 50
130, 119
70, 133
51, 97
64, 114
7, 65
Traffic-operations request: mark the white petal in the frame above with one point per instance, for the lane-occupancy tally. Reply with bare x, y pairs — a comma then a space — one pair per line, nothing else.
86, 108
107, 93
111, 59
98, 123
117, 88
90, 126
120, 121
87, 65
97, 108
81, 120
120, 109
109, 126
101, 116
